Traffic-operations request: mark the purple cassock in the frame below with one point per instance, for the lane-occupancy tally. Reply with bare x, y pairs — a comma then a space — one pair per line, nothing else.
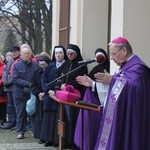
125, 122
94, 123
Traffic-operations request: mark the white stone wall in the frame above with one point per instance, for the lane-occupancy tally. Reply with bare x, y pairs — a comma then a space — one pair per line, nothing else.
89, 25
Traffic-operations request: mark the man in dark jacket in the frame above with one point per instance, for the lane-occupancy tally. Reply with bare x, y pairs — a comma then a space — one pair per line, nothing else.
22, 72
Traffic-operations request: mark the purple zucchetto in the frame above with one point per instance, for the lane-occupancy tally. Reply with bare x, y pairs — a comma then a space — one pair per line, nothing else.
120, 40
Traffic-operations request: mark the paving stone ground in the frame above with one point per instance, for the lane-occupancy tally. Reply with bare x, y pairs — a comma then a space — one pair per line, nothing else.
8, 141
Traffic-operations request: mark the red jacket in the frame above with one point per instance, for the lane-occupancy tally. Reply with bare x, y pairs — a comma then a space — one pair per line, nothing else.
3, 99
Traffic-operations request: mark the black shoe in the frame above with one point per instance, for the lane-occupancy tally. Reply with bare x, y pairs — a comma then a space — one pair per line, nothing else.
46, 144
41, 141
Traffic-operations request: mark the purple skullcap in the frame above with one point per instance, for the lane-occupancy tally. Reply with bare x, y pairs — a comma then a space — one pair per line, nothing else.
120, 40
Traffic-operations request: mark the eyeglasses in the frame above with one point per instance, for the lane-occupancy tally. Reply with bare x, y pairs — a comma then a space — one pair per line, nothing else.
114, 54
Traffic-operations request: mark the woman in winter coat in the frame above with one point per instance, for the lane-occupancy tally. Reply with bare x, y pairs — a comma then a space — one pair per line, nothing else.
3, 98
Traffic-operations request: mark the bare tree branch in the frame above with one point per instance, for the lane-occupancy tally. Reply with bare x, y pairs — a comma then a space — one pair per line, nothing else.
33, 19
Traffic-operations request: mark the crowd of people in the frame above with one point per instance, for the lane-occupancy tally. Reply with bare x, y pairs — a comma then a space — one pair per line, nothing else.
122, 122
22, 74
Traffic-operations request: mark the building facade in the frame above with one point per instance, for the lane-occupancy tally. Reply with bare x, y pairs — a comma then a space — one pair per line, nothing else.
92, 24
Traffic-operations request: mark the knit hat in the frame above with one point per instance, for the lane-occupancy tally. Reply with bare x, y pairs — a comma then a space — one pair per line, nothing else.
8, 54
43, 58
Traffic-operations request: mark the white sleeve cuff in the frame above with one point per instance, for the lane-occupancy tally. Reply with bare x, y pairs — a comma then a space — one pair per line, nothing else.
93, 86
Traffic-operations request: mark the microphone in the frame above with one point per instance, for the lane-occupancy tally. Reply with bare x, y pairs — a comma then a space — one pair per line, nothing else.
87, 61
100, 58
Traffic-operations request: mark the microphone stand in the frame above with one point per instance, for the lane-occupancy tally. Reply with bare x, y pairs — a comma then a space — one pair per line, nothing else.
66, 74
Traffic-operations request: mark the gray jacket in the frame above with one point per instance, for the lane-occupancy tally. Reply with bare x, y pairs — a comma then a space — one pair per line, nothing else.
6, 77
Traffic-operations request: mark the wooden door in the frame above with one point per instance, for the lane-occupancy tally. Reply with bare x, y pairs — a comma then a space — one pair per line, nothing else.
64, 23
